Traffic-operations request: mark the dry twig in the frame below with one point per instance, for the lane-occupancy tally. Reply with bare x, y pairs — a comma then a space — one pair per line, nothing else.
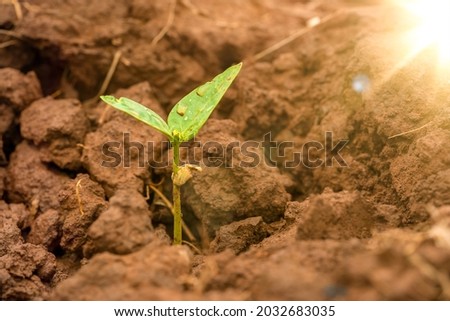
17, 9
291, 38
106, 82
110, 73
10, 33
411, 131
77, 192
169, 22
8, 43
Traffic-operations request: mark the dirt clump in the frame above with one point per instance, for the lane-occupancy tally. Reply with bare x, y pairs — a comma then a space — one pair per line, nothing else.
18, 90
338, 216
45, 230
82, 201
25, 269
232, 186
6, 123
32, 182
238, 236
298, 270
403, 266
123, 228
2, 180
119, 152
181, 59
155, 272
58, 128
421, 176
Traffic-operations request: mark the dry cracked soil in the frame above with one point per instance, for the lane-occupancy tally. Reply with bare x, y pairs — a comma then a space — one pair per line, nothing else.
371, 222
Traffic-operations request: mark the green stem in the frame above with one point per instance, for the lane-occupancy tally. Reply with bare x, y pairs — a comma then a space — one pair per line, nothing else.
177, 223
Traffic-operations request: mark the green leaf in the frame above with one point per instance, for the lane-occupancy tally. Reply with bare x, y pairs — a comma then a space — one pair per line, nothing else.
190, 113
139, 112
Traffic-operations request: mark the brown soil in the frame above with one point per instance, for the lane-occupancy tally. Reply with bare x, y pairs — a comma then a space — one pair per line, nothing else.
72, 229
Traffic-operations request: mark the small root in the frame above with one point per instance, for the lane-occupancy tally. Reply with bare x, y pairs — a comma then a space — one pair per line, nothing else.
169, 22
284, 42
56, 94
411, 131
196, 249
125, 61
8, 43
17, 9
12, 34
204, 236
105, 111
112, 69
77, 192
34, 207
110, 74
82, 146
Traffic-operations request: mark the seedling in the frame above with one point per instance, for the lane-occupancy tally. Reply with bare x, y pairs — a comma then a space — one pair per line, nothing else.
184, 121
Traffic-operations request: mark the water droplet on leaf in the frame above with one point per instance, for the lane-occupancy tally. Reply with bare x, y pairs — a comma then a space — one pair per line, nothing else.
181, 110
201, 91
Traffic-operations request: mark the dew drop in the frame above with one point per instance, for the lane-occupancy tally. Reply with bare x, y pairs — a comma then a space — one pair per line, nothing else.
181, 110
201, 91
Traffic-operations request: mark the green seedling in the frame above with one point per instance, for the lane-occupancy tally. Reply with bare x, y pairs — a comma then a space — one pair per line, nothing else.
184, 121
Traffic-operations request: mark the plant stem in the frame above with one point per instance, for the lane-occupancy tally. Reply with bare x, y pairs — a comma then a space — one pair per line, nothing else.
177, 219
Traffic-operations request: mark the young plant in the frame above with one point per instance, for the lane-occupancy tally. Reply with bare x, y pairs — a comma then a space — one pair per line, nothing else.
184, 121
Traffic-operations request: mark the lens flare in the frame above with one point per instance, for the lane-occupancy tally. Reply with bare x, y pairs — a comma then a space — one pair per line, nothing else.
433, 25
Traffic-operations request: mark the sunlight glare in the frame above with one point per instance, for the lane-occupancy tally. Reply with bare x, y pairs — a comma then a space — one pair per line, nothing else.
434, 25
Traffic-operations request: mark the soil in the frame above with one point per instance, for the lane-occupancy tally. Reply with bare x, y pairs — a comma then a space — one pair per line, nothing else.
73, 228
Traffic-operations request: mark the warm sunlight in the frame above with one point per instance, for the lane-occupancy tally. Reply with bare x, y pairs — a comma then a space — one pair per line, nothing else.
433, 25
